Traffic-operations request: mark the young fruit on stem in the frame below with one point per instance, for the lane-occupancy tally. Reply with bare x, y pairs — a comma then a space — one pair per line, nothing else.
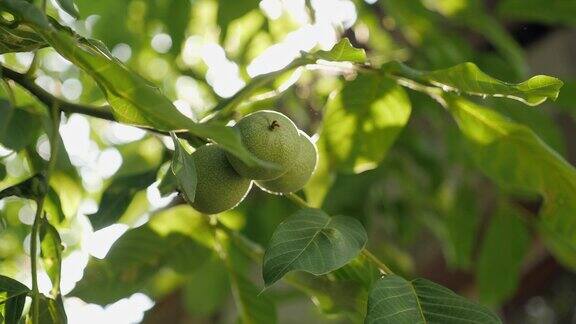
270, 136
219, 187
303, 165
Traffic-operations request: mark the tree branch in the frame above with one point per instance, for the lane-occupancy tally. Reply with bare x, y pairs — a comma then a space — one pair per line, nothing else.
102, 112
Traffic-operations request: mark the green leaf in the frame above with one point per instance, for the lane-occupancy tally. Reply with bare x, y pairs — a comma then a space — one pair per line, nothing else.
471, 13
423, 29
254, 308
31, 188
356, 278
504, 246
117, 197
469, 79
207, 288
396, 300
539, 120
13, 296
358, 270
231, 10
52, 311
18, 127
513, 156
168, 184
322, 179
457, 222
134, 100
2, 172
185, 220
53, 206
51, 252
10, 288
3, 223
332, 297
461, 227
342, 51
114, 16
68, 6
553, 12
176, 15
69, 191
19, 39
227, 106
314, 242
362, 122
184, 170
177, 238
128, 267
24, 10
140, 156
567, 98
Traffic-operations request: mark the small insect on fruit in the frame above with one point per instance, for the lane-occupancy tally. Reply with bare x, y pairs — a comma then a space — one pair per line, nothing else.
269, 136
273, 125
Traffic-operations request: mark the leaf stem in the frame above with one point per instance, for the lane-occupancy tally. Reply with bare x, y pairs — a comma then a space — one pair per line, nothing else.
54, 143
297, 200
225, 108
251, 249
34, 260
383, 267
39, 206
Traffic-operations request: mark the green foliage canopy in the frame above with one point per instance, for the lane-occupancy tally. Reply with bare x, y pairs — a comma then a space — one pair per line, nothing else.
405, 124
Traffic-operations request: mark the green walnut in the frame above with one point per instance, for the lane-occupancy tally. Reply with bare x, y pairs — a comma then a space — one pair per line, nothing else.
219, 186
269, 136
303, 165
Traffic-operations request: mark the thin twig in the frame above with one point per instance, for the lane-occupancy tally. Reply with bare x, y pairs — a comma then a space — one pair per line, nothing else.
381, 265
54, 141
226, 107
34, 260
250, 248
102, 112
297, 200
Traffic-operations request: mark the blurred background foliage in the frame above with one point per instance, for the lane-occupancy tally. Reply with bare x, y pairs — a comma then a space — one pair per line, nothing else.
428, 209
